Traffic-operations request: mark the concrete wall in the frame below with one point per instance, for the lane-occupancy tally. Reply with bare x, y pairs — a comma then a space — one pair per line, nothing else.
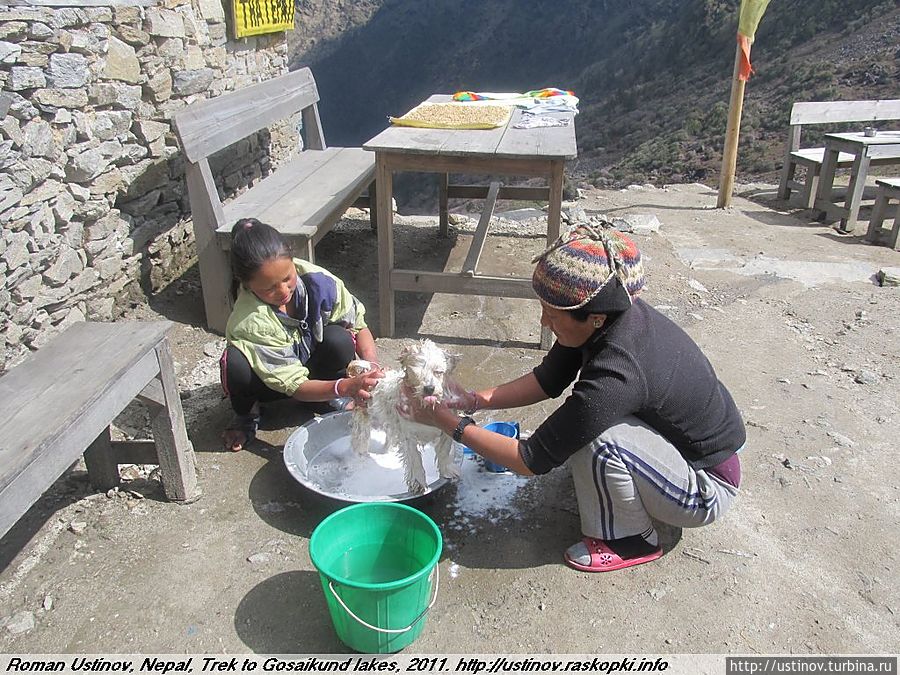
93, 203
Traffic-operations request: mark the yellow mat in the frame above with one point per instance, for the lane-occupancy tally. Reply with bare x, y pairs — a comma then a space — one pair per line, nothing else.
455, 116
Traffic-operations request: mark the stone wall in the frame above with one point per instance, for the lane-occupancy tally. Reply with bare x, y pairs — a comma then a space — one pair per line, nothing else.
93, 203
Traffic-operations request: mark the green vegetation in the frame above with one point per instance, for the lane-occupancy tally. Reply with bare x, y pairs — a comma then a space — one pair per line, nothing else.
653, 76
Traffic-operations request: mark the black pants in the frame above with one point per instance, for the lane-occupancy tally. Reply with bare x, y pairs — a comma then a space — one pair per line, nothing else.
328, 361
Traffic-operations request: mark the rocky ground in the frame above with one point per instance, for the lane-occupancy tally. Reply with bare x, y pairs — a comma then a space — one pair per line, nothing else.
788, 312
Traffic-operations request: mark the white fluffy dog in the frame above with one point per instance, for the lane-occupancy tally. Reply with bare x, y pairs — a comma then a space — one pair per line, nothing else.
425, 366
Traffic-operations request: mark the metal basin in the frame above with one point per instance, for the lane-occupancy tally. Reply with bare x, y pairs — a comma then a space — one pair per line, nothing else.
318, 455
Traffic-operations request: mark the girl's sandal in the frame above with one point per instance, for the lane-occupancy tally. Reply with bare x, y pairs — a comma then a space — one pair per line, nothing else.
247, 425
594, 555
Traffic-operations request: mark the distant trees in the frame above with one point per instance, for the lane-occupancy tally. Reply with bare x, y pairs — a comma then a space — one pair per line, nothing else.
653, 75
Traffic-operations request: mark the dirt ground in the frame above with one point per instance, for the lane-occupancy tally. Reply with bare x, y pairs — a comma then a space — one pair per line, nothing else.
806, 562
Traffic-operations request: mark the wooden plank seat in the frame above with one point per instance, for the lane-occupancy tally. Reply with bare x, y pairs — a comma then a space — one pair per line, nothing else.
302, 199
58, 404
806, 113
330, 181
888, 190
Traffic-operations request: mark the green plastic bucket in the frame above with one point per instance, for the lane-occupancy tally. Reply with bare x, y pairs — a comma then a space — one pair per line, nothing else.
377, 562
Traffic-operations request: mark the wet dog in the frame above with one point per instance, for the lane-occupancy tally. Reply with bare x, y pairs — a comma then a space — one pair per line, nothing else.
423, 376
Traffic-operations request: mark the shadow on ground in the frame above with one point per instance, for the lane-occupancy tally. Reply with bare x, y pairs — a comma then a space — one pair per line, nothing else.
259, 617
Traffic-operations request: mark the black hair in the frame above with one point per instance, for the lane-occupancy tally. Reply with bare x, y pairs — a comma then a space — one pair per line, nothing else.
253, 243
611, 300
580, 314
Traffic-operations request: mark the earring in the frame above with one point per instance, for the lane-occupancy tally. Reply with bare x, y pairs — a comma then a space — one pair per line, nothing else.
598, 323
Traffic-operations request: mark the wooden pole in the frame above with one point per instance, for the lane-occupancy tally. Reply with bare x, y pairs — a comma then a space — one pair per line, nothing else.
732, 132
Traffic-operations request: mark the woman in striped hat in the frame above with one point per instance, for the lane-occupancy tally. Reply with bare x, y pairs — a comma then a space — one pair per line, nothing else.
648, 430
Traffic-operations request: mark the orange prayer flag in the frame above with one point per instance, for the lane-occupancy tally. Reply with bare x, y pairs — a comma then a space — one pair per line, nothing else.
750, 15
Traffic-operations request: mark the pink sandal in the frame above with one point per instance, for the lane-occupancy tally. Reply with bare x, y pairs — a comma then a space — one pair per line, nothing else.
602, 557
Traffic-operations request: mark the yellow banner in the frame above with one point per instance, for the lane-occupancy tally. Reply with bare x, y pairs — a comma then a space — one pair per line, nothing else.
751, 13
256, 17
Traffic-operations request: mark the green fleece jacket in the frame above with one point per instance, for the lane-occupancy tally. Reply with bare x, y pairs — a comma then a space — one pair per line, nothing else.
277, 345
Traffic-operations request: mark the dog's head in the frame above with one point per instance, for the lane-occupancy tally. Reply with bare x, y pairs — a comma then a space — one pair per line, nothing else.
425, 365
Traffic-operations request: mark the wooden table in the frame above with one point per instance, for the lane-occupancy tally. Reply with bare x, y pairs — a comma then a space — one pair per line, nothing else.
883, 148
504, 151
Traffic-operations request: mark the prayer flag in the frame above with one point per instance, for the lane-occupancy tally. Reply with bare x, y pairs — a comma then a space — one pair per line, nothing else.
256, 17
750, 14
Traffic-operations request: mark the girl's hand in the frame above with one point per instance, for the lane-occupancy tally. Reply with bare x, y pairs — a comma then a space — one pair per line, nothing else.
360, 386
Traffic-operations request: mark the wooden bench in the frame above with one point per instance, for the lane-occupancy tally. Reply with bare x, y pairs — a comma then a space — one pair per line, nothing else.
811, 159
58, 404
302, 199
888, 189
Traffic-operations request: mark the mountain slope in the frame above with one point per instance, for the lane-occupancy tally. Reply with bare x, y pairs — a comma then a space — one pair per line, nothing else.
653, 76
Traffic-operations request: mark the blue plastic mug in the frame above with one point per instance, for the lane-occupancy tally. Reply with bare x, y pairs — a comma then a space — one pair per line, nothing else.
510, 429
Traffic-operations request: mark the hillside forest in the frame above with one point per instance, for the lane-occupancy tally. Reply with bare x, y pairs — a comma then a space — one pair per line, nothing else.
653, 76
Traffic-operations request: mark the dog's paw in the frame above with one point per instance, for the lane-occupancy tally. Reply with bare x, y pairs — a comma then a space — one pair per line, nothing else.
450, 471
415, 487
416, 480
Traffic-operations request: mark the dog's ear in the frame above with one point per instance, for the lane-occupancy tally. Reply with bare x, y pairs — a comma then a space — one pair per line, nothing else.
405, 353
453, 361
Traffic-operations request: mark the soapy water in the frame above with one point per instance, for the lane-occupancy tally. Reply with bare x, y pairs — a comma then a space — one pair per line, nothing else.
482, 493
339, 471
326, 463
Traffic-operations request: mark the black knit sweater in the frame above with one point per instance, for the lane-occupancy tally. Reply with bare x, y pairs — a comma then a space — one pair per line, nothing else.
641, 364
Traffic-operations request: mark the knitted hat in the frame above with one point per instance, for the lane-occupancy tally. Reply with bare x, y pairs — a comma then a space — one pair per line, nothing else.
577, 269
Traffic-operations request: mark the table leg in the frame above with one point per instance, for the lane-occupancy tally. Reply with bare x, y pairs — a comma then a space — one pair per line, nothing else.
373, 206
554, 211
826, 183
554, 217
385, 193
855, 191
443, 204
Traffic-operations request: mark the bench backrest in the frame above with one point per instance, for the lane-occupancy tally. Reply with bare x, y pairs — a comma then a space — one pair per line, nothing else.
831, 112
208, 126
812, 112
205, 127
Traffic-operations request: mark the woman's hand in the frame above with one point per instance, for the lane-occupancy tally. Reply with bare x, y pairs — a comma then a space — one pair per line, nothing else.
439, 415
458, 397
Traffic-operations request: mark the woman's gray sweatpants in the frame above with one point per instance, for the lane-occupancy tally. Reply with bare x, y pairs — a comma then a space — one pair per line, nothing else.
630, 473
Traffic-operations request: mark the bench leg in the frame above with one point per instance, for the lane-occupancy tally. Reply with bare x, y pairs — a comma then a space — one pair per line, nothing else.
174, 451
306, 250
879, 212
102, 467
214, 263
787, 175
810, 188
894, 237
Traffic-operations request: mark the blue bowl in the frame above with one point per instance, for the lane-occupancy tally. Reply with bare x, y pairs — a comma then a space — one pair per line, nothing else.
510, 429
